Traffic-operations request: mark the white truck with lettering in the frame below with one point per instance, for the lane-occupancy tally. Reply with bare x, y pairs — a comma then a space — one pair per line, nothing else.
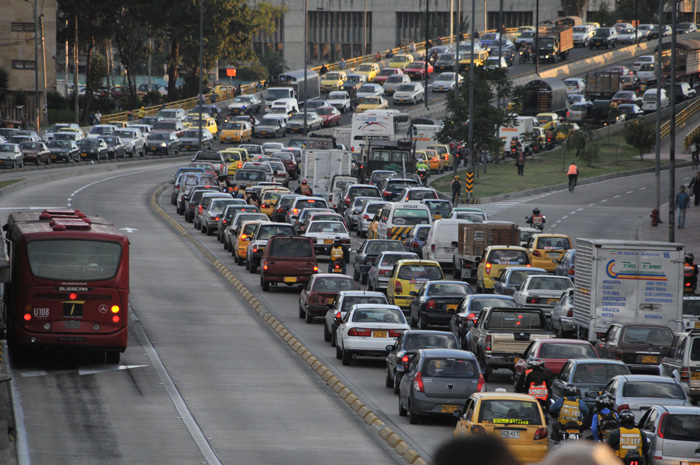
627, 282
521, 126
367, 126
319, 167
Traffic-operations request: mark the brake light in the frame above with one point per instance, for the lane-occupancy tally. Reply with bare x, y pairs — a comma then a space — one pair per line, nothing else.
481, 386
216, 218
295, 211
395, 332
315, 269
477, 429
255, 249
364, 332
488, 342
432, 248
623, 407
336, 266
570, 313
418, 382
488, 268
384, 272
415, 244
430, 305
685, 374
280, 210
347, 200
265, 265
662, 425
571, 270
531, 300
536, 253
338, 315
405, 359
471, 317
398, 288
541, 433
386, 193
200, 209
263, 206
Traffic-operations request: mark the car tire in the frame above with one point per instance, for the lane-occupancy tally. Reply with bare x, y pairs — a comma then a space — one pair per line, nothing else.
413, 418
302, 313
363, 278
253, 268
346, 358
203, 229
265, 284
209, 232
333, 338
167, 152
309, 317
487, 371
422, 323
397, 383
326, 333
355, 275
412, 321
338, 352
402, 411
388, 382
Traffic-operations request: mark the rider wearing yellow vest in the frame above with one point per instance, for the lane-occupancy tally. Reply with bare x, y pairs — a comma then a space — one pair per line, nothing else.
569, 408
628, 441
337, 254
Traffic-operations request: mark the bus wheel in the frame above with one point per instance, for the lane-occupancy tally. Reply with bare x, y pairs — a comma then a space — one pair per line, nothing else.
112, 356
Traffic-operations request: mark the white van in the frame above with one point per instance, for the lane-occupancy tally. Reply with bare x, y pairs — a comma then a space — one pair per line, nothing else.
290, 105
649, 100
398, 218
438, 245
646, 72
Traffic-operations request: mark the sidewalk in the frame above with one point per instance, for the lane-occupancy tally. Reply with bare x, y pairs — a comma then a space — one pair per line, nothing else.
690, 235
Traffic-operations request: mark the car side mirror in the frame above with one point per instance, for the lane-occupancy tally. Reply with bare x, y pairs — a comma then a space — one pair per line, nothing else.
389, 348
413, 293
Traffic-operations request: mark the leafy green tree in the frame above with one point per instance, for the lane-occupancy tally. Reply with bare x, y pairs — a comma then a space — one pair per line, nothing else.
589, 151
131, 37
56, 101
640, 136
273, 63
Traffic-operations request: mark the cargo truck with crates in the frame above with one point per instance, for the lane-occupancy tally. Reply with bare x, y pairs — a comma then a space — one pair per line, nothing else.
472, 240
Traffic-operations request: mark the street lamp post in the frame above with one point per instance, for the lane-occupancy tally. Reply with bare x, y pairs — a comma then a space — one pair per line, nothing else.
306, 48
36, 64
672, 134
201, 65
657, 163
537, 37
471, 90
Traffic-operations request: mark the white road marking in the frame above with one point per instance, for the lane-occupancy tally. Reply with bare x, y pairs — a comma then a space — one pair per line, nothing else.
129, 230
629, 192
604, 200
616, 196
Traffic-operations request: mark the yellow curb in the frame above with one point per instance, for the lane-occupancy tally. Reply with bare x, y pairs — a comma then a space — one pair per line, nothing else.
363, 411
393, 439
385, 432
370, 418
418, 461
344, 392
401, 447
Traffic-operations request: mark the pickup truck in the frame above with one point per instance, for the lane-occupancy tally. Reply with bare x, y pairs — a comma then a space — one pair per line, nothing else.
502, 333
288, 259
341, 100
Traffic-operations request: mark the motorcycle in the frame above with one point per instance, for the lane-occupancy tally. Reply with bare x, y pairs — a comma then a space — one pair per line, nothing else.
524, 56
423, 175
632, 458
337, 266
571, 431
539, 226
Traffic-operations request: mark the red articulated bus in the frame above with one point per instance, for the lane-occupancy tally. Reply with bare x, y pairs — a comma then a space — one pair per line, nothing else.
68, 283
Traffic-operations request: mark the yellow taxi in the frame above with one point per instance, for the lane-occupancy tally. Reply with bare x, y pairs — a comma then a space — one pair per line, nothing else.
401, 61
434, 160
368, 69
548, 120
520, 30
192, 121
234, 158
333, 80
544, 250
371, 103
480, 57
269, 198
408, 276
236, 131
444, 152
224, 89
240, 248
515, 418
494, 260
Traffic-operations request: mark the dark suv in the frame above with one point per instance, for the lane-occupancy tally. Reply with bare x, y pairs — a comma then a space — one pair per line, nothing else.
288, 259
604, 37
638, 345
392, 187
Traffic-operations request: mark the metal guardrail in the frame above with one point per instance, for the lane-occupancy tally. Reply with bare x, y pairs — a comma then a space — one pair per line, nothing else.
681, 119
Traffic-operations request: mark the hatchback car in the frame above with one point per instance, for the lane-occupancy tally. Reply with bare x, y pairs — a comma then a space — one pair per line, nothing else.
343, 302
544, 250
436, 301
368, 252
638, 393
320, 292
494, 260
542, 291
638, 345
588, 375
364, 218
554, 353
510, 279
438, 382
410, 92
517, 419
672, 433
367, 330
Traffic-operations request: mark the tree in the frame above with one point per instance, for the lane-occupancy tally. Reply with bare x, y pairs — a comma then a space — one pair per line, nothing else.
640, 136
589, 151
131, 38
574, 7
273, 62
489, 86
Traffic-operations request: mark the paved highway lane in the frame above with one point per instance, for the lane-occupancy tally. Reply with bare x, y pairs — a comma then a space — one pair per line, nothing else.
228, 390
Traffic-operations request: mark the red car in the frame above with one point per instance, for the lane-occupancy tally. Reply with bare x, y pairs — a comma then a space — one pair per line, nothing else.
329, 115
384, 74
554, 353
321, 291
417, 70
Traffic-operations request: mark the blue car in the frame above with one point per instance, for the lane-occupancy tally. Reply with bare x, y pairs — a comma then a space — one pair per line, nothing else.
416, 238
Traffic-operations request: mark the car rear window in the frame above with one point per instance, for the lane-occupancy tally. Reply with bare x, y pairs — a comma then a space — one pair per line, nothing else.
439, 207
400, 185
509, 412
391, 259
695, 349
377, 247
553, 243
549, 283
423, 233
450, 368
250, 175
599, 373
643, 335
679, 427
691, 307
267, 232
477, 305
407, 216
333, 285
470, 216
424, 272
504, 319
415, 341
363, 192
349, 301
567, 351
508, 257
291, 247
653, 389
327, 227
422, 194
311, 203
383, 315
449, 288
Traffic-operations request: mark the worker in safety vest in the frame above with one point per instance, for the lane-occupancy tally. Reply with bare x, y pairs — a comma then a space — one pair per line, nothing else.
534, 381
629, 442
337, 255
304, 188
572, 173
605, 420
567, 409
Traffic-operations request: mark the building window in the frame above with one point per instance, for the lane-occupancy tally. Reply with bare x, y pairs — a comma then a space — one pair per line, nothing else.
336, 34
23, 64
510, 19
22, 27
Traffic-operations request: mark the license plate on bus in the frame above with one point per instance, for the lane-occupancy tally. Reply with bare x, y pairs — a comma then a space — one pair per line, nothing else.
451, 307
290, 279
650, 359
379, 334
510, 434
448, 408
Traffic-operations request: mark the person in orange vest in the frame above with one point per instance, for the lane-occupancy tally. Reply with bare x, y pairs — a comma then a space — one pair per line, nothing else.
573, 176
304, 188
534, 381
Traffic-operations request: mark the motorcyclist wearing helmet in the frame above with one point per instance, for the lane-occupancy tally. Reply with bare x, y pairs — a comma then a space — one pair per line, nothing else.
534, 381
422, 165
456, 189
536, 219
628, 441
304, 188
568, 408
605, 419
690, 273
337, 255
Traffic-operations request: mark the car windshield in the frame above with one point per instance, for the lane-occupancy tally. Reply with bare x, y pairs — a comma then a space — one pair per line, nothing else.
378, 315
89, 142
449, 288
364, 68
407, 216
369, 89
680, 427
123, 134
505, 412
371, 100
395, 78
580, 29
334, 284
549, 283
30, 145
514, 319
656, 389
327, 227
447, 367
250, 175
602, 32
567, 351
233, 126
598, 373
527, 35
422, 272
644, 335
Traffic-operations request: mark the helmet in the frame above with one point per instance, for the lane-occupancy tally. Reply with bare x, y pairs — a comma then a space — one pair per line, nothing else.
536, 211
535, 363
303, 181
603, 401
456, 177
689, 257
627, 418
570, 391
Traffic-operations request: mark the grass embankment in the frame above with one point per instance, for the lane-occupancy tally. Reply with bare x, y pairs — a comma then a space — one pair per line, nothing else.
548, 169
9, 182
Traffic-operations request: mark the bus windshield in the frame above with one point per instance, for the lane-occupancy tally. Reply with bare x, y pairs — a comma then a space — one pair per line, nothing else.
74, 259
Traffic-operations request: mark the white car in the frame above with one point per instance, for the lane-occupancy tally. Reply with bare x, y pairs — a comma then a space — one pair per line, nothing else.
582, 34
446, 82
50, 132
393, 82
629, 36
270, 147
412, 92
296, 122
246, 104
575, 85
542, 291
323, 233
340, 100
370, 90
133, 139
642, 60
11, 155
493, 62
367, 330
100, 130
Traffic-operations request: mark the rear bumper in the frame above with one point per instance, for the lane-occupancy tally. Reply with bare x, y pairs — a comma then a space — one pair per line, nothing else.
281, 279
440, 318
424, 405
500, 360
116, 340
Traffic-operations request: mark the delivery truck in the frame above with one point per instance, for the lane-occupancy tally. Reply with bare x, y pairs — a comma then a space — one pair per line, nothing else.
319, 167
621, 281
472, 240
602, 85
555, 43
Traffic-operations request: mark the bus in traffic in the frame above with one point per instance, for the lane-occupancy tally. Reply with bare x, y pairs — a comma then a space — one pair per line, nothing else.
68, 285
